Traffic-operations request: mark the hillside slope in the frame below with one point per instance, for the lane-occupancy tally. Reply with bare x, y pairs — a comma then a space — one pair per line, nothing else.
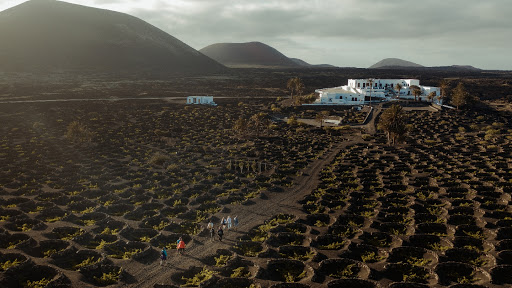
394, 62
47, 35
250, 54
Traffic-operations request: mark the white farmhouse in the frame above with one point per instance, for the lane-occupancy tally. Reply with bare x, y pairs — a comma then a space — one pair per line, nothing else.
358, 91
205, 100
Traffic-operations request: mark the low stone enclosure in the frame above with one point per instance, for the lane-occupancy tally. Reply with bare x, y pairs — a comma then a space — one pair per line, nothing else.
435, 212
377, 220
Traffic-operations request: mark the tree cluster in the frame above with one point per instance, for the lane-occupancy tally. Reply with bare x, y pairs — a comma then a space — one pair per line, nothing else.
416, 91
393, 123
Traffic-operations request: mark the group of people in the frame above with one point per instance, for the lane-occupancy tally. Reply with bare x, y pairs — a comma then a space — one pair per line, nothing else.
180, 246
225, 223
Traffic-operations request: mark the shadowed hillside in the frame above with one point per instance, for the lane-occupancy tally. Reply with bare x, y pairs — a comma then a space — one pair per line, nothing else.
251, 54
43, 35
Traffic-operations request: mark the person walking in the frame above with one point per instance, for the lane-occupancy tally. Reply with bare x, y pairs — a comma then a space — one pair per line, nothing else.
163, 256
223, 223
211, 229
220, 232
228, 220
212, 233
181, 246
178, 244
235, 222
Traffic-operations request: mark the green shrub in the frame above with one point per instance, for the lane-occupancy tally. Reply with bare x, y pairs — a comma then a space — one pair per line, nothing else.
86, 262
195, 281
37, 284
348, 272
69, 236
8, 264
221, 260
49, 252
250, 249
240, 272
371, 257
332, 246
108, 278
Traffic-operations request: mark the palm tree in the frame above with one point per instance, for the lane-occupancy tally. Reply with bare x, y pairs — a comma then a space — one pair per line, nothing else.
431, 96
398, 87
416, 91
392, 121
290, 85
299, 86
443, 86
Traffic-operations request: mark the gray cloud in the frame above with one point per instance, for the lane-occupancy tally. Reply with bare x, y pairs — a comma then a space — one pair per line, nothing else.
435, 32
341, 32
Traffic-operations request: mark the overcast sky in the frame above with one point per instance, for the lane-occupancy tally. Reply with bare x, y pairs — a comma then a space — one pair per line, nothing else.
348, 33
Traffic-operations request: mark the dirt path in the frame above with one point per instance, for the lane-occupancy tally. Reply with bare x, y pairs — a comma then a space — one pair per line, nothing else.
371, 126
250, 216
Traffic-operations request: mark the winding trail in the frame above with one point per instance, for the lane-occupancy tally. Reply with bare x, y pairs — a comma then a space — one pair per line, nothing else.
370, 124
249, 215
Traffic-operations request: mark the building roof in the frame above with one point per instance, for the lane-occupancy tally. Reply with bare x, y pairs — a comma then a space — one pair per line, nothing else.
338, 90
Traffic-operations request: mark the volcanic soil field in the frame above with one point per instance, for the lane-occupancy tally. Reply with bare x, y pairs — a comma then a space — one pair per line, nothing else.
317, 207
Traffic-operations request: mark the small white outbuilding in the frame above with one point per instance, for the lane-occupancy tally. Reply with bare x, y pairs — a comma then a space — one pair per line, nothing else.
205, 100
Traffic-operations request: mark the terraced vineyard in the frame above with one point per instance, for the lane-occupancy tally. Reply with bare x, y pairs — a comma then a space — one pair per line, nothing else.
150, 173
433, 212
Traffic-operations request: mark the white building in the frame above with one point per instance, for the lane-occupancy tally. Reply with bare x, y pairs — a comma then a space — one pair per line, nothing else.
358, 91
205, 100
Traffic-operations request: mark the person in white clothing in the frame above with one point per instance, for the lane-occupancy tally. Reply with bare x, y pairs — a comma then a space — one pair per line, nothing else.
229, 222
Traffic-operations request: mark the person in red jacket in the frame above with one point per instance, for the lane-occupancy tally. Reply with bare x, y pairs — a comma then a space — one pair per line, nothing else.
181, 246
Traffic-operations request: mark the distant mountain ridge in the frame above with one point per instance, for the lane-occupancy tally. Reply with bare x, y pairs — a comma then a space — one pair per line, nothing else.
49, 35
394, 62
250, 54
254, 55
457, 67
306, 64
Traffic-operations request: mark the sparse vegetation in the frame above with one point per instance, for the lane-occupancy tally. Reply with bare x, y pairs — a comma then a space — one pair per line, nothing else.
444, 191
78, 133
197, 279
392, 122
